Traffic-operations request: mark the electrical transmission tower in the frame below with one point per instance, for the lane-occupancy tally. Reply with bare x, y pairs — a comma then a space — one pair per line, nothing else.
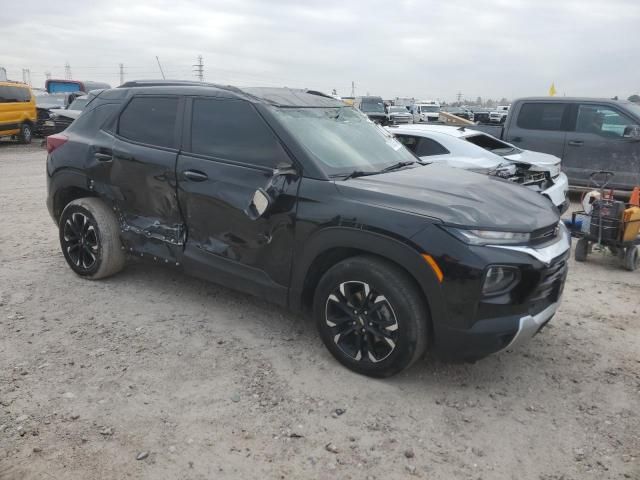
353, 88
47, 75
26, 76
121, 73
198, 69
67, 71
459, 96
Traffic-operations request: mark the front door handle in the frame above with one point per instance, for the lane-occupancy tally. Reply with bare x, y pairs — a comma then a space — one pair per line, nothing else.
195, 175
576, 143
103, 157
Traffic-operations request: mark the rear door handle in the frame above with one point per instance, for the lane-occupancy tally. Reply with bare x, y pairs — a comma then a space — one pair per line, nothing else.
576, 143
195, 175
103, 157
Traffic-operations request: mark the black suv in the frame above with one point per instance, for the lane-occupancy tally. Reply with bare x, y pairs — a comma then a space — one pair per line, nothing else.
295, 197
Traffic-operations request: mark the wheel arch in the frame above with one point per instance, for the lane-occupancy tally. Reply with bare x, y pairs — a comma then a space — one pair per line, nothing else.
65, 187
332, 245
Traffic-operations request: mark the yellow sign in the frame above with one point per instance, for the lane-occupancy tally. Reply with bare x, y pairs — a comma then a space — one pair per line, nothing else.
552, 90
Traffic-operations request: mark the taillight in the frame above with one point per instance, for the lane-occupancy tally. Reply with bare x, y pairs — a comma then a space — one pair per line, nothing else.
55, 141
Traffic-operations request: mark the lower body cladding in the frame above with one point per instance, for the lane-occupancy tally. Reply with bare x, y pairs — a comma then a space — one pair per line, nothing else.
470, 323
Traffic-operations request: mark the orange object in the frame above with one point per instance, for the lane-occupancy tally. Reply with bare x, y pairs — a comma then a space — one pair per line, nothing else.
631, 217
635, 197
434, 266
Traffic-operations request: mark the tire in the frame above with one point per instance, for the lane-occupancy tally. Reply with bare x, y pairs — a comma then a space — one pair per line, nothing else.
26, 133
387, 332
632, 258
581, 251
90, 239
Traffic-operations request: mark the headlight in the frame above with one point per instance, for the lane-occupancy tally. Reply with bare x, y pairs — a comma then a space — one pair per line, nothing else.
489, 237
499, 280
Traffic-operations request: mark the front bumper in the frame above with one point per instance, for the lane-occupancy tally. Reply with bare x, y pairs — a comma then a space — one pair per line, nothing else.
532, 324
557, 193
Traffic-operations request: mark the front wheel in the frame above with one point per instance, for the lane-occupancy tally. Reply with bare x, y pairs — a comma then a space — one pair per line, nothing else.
371, 316
26, 133
90, 239
632, 258
582, 250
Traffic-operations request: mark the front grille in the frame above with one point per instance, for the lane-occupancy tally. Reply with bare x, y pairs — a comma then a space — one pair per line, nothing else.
551, 281
544, 235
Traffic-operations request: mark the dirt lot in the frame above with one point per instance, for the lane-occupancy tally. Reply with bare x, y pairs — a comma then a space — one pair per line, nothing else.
152, 374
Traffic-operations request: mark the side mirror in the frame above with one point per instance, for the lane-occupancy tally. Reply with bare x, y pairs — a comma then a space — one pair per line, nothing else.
632, 132
260, 203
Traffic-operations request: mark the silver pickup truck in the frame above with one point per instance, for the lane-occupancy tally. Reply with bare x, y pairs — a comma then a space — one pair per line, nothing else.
588, 134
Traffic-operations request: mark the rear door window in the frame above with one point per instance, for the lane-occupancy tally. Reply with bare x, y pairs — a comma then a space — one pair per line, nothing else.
150, 120
233, 130
602, 120
542, 116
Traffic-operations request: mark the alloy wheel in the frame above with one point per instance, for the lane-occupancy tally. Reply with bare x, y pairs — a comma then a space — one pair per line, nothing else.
80, 241
362, 322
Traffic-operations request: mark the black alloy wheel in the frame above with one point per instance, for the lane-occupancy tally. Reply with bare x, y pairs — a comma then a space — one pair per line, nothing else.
362, 322
80, 242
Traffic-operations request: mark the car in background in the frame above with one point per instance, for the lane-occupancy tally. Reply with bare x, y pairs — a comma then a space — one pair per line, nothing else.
425, 112
479, 152
372, 107
18, 114
481, 115
60, 119
299, 199
459, 112
588, 134
397, 115
499, 115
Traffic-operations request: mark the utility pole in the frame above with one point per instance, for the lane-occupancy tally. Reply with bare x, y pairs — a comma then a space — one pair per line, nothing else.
67, 71
121, 73
459, 96
26, 76
198, 68
353, 88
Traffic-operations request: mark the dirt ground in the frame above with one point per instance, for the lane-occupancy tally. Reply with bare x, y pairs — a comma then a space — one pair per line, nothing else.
152, 374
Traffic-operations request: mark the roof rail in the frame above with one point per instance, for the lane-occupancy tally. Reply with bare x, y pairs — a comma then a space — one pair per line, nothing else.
174, 83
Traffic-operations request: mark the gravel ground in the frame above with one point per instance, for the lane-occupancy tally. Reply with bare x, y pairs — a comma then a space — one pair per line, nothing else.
152, 374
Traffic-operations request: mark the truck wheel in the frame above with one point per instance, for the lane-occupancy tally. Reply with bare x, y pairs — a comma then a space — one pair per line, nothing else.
26, 133
371, 316
632, 258
90, 239
582, 250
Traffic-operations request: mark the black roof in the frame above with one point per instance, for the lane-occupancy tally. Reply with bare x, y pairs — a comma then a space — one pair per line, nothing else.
282, 97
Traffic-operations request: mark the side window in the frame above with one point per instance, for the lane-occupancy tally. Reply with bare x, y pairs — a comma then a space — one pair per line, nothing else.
408, 141
601, 120
11, 94
541, 116
428, 147
150, 120
233, 130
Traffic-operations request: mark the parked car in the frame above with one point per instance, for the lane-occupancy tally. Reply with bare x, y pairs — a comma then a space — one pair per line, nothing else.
459, 112
17, 111
481, 115
425, 112
479, 152
73, 86
299, 199
499, 115
372, 107
57, 111
398, 114
588, 134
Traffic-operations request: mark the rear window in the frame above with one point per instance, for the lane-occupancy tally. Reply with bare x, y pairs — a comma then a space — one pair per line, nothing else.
541, 116
150, 120
11, 94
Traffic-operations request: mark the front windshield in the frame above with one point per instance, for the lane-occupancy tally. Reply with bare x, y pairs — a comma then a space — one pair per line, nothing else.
430, 108
342, 139
372, 106
78, 104
635, 109
397, 109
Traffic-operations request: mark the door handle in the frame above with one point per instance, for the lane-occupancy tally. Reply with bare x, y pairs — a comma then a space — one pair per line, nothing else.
103, 157
516, 139
195, 175
576, 143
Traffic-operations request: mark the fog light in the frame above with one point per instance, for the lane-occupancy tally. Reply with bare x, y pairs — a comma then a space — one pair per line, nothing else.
499, 280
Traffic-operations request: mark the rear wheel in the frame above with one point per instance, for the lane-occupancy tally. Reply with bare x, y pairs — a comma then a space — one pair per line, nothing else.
632, 258
582, 250
371, 316
26, 133
90, 239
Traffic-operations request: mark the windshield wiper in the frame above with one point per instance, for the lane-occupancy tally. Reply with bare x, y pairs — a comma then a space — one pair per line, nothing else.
396, 166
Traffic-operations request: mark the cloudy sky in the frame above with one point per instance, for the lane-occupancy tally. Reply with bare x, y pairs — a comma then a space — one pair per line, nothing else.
421, 48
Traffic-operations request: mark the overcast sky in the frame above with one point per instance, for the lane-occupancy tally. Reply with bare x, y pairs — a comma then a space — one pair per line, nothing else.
417, 48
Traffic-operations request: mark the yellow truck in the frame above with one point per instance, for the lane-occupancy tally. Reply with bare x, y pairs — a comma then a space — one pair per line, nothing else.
17, 111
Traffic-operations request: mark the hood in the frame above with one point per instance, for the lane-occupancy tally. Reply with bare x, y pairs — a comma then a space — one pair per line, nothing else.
73, 114
375, 114
539, 161
455, 197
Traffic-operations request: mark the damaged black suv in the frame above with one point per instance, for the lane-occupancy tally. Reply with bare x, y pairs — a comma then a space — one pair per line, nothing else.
295, 197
